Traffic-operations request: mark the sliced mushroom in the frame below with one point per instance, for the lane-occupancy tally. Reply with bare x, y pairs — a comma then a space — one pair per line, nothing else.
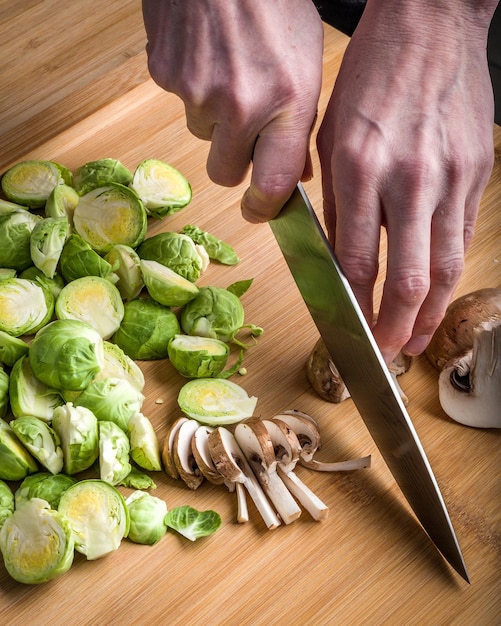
232, 464
167, 450
182, 454
305, 429
254, 441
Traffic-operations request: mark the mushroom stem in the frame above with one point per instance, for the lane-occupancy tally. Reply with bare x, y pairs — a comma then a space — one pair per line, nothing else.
337, 466
311, 502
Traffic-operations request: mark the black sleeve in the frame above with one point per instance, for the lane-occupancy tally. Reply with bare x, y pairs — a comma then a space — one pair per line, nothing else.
342, 14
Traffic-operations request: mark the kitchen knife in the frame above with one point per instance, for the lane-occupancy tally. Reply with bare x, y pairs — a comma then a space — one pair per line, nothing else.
353, 349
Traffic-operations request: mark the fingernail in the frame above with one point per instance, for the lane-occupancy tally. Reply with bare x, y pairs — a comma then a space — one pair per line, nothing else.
416, 345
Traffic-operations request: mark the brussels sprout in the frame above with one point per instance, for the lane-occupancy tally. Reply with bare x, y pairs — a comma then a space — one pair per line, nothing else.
165, 286
31, 182
66, 354
174, 250
191, 523
99, 173
6, 502
117, 364
127, 263
111, 399
4, 392
29, 396
114, 448
46, 243
54, 284
48, 487
215, 312
9, 207
94, 300
110, 215
25, 306
15, 235
77, 430
146, 329
198, 357
217, 249
41, 441
161, 187
144, 446
78, 259
215, 401
17, 462
98, 516
7, 272
11, 348
62, 202
36, 543
147, 514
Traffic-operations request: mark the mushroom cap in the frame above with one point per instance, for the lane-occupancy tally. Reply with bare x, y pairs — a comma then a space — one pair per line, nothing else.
323, 376
201, 453
182, 454
454, 336
306, 431
167, 449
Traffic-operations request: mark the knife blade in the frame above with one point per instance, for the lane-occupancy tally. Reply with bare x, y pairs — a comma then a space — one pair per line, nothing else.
349, 341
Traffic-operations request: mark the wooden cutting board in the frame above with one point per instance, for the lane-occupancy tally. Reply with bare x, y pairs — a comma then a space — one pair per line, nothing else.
74, 88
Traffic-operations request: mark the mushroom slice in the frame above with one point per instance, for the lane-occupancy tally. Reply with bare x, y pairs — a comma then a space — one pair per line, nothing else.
254, 441
287, 453
470, 386
306, 431
232, 464
167, 450
182, 453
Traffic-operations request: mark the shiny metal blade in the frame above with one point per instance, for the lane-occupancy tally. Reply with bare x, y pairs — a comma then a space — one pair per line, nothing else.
353, 349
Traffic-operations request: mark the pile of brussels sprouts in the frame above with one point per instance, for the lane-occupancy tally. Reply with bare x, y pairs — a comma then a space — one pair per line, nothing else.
84, 292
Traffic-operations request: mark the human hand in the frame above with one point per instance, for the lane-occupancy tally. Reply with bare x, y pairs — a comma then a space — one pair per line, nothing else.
406, 143
249, 74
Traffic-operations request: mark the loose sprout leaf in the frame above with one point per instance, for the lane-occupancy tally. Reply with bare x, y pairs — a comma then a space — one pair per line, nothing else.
217, 249
137, 480
240, 287
191, 523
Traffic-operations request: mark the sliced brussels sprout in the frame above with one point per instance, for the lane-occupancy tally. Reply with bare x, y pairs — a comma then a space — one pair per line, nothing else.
110, 215
36, 543
191, 523
99, 173
162, 188
77, 430
117, 364
8, 207
7, 272
78, 260
25, 306
31, 182
67, 354
146, 329
94, 300
11, 348
62, 202
41, 441
147, 514
112, 399
217, 249
144, 445
54, 284
165, 286
128, 270
198, 357
17, 462
15, 235
4, 392
49, 487
114, 449
29, 396
46, 243
174, 250
98, 516
6, 502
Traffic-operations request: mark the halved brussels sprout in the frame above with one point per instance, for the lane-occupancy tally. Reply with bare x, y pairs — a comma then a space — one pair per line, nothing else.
217, 249
15, 235
8, 207
215, 401
36, 543
40, 440
94, 300
117, 364
49, 487
46, 243
126, 262
6, 502
29, 396
165, 286
25, 306
77, 430
110, 215
78, 260
4, 392
54, 284
146, 329
66, 354
147, 514
114, 448
62, 202
99, 173
17, 462
31, 182
144, 445
98, 516
174, 250
162, 188
198, 357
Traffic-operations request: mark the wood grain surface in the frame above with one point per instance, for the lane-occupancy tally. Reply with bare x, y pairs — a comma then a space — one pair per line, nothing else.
73, 88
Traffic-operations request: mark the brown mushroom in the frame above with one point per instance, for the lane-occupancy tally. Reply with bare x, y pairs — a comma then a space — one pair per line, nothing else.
182, 454
167, 450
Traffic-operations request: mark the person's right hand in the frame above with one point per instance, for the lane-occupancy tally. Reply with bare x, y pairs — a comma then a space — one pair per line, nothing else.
249, 74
